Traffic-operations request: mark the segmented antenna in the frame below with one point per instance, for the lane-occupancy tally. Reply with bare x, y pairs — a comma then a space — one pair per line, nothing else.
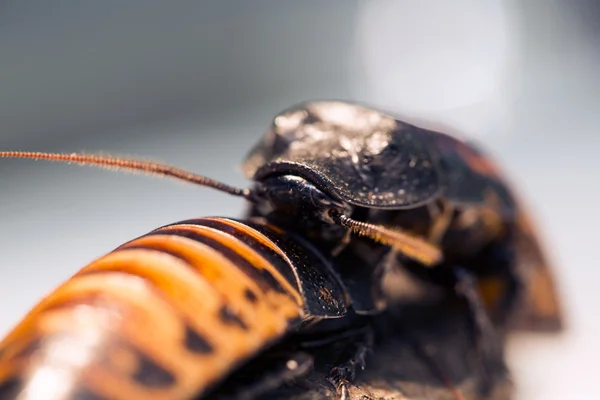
130, 165
413, 247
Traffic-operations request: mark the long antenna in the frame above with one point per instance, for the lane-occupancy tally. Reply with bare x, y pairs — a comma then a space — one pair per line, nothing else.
149, 167
413, 247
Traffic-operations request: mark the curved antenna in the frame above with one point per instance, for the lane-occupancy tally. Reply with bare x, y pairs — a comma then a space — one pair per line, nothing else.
413, 247
133, 165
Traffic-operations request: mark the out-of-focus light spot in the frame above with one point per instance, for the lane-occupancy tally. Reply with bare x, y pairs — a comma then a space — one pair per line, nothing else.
438, 60
63, 358
48, 383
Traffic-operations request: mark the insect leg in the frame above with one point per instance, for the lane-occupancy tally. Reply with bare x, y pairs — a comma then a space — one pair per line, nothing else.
441, 214
487, 341
503, 301
341, 375
507, 308
343, 243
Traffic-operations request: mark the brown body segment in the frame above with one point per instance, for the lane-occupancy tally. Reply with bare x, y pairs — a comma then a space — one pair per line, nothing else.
165, 316
490, 211
541, 309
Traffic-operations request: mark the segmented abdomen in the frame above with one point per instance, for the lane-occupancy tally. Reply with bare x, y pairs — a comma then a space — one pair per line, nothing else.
165, 316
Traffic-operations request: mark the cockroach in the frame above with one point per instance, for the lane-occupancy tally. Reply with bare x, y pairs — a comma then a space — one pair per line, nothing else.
342, 194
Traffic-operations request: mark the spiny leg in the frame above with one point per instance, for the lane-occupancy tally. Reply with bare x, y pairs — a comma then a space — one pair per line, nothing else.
342, 375
487, 341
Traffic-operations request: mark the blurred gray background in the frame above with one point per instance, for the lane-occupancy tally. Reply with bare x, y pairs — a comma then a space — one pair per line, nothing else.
195, 83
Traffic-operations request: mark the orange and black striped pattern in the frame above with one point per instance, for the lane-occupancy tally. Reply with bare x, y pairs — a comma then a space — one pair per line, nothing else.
165, 316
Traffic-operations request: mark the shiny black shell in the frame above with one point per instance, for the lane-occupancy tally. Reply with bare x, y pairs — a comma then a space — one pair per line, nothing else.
359, 155
470, 178
370, 159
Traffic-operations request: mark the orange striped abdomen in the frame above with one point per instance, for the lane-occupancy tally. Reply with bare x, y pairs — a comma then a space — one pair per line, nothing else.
165, 316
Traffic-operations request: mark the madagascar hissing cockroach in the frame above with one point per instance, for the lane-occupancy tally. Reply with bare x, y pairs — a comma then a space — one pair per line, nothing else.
342, 194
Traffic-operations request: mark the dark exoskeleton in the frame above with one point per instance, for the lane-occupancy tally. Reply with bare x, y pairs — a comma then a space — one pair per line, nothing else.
345, 197
324, 163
